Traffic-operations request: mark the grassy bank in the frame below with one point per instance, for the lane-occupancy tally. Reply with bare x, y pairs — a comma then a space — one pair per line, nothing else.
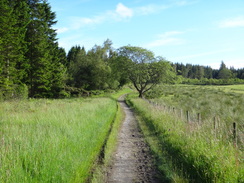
52, 140
192, 149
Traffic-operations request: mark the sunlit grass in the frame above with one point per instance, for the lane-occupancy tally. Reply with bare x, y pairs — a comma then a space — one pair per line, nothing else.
52, 140
210, 103
230, 88
193, 149
205, 145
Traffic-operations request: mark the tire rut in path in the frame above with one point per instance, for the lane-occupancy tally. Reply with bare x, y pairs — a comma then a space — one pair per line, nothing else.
132, 161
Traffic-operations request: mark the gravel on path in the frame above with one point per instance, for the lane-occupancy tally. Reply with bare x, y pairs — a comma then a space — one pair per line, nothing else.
132, 161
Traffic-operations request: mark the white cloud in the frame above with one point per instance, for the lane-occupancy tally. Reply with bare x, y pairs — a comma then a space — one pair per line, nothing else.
78, 22
149, 9
123, 11
166, 39
62, 30
184, 2
120, 13
232, 22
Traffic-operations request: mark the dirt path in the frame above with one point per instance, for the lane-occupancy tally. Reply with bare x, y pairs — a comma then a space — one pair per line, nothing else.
133, 162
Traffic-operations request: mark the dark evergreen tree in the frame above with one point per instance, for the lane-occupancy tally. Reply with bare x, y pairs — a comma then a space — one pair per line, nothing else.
72, 54
12, 45
224, 72
208, 72
45, 74
6, 44
21, 11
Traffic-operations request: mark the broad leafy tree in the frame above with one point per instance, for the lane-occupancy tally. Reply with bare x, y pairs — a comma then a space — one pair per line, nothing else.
145, 71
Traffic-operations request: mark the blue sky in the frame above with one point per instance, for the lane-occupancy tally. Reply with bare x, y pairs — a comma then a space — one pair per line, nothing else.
203, 32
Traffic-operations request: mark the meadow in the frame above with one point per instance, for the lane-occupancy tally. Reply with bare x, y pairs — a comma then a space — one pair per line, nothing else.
193, 126
44, 140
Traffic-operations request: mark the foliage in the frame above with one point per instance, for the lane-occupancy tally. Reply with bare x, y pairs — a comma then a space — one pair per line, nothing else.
206, 81
29, 51
45, 72
30, 56
12, 47
224, 72
205, 72
97, 69
145, 71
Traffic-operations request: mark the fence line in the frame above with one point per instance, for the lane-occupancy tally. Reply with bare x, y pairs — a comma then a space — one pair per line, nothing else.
190, 120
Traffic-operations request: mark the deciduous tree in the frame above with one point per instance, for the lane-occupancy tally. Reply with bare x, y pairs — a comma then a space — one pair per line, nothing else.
145, 71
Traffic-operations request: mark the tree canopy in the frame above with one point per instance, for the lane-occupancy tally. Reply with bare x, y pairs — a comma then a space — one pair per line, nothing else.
145, 71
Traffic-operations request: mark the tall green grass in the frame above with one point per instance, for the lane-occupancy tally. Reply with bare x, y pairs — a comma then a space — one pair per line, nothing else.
230, 88
215, 105
52, 140
193, 150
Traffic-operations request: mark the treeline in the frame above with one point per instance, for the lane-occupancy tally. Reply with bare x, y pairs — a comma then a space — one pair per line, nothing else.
205, 75
33, 65
199, 72
100, 68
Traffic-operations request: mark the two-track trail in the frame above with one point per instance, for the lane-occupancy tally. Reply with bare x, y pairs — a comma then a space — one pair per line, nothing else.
132, 161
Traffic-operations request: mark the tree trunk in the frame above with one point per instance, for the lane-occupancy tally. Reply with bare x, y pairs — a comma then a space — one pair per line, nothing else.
140, 94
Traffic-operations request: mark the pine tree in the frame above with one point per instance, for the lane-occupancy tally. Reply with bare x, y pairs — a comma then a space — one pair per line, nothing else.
12, 47
45, 75
21, 12
224, 72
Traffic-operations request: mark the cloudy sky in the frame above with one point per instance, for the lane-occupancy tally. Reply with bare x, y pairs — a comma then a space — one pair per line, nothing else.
203, 32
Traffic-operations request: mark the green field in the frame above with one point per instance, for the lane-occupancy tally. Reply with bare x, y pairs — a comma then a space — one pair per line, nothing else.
230, 88
45, 140
202, 146
52, 140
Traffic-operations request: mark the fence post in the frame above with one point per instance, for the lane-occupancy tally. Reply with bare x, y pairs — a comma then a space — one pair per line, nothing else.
215, 125
234, 134
199, 117
188, 116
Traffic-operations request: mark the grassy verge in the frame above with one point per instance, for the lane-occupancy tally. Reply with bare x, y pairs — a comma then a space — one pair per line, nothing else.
198, 158
52, 140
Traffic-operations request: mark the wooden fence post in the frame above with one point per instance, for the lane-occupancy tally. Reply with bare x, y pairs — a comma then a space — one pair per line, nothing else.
234, 134
199, 117
188, 116
215, 125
